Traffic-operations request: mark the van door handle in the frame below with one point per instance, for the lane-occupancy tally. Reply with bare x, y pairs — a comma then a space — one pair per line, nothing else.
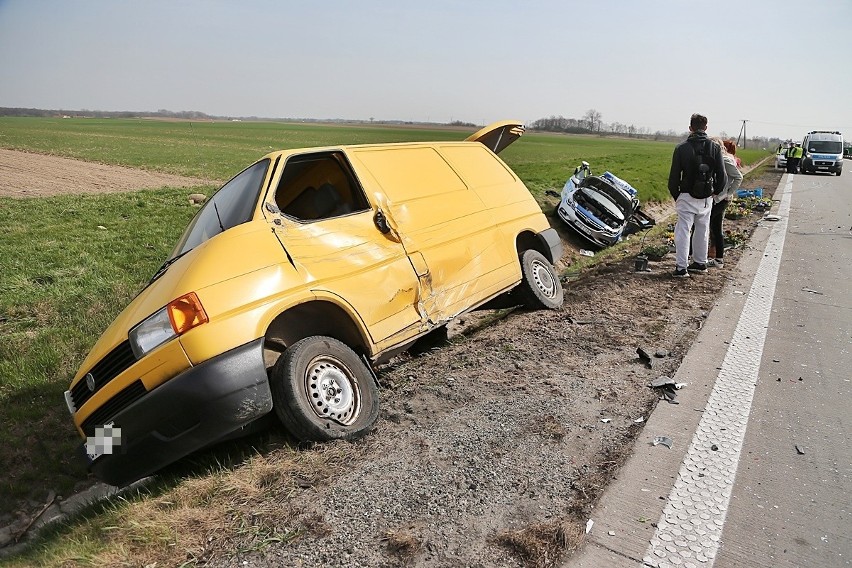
381, 222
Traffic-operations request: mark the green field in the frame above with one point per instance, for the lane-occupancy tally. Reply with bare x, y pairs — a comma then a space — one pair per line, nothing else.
69, 264
218, 150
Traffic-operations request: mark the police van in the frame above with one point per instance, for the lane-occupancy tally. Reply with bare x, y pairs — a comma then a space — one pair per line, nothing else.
823, 152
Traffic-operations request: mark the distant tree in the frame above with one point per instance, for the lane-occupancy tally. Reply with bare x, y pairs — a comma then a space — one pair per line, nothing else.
593, 120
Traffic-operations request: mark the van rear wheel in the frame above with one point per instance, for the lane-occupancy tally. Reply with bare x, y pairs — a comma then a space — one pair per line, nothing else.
540, 286
322, 391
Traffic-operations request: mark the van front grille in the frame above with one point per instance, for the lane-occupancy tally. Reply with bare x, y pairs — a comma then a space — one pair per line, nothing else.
116, 362
130, 394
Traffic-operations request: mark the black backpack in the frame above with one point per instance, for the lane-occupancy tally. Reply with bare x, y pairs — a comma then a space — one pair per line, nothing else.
700, 183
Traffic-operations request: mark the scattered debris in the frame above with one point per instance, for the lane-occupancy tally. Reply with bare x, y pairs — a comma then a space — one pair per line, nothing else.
611, 533
662, 381
664, 440
197, 198
714, 447
101, 227
666, 387
800, 450
660, 353
589, 524
585, 252
606, 420
771, 218
639, 420
812, 291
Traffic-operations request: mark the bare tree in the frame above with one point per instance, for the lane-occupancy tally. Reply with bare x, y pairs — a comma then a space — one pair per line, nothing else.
593, 120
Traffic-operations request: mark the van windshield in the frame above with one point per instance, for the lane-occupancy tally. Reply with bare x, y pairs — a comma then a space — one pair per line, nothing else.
233, 204
825, 146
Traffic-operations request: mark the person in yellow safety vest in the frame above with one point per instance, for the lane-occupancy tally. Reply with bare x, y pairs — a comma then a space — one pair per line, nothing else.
794, 156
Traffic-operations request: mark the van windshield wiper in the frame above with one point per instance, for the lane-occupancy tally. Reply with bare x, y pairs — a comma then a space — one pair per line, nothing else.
165, 266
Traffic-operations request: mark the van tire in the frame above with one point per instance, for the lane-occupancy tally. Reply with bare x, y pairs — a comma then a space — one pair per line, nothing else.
540, 286
322, 390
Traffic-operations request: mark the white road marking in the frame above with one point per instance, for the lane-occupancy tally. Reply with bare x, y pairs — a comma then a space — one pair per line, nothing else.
690, 528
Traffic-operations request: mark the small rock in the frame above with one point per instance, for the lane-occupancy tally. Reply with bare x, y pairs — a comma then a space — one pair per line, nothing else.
197, 198
661, 353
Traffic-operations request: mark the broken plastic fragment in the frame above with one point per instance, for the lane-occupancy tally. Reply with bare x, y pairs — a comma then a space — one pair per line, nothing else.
606, 420
662, 381
679, 386
585, 252
639, 420
664, 440
800, 450
589, 525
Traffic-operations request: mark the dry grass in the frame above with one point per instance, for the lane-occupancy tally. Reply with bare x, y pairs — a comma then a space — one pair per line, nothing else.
204, 518
542, 545
401, 543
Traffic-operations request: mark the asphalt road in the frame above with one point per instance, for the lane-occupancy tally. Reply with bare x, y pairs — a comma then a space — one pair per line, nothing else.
759, 473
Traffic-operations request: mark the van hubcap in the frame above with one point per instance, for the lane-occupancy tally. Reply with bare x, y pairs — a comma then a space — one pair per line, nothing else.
543, 278
332, 390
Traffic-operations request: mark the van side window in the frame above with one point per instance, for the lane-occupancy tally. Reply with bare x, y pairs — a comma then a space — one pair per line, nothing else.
319, 186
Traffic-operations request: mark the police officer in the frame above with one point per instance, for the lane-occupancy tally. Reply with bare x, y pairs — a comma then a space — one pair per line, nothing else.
797, 152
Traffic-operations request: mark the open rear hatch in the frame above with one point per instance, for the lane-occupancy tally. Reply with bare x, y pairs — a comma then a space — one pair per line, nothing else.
498, 135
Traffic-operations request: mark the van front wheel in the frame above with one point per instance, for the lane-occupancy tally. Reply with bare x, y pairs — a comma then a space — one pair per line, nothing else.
540, 286
322, 391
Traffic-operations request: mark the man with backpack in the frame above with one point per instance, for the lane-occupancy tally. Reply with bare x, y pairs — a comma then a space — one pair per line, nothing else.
697, 173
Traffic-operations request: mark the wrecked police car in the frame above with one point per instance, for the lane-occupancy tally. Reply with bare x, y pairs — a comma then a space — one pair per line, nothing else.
602, 209
295, 277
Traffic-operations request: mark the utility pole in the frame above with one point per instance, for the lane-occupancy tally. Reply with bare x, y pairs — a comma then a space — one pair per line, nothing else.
743, 134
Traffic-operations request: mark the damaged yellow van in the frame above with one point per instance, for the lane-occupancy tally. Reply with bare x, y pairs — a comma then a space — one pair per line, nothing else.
293, 280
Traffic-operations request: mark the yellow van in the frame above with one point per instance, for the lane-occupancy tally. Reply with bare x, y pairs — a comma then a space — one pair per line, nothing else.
294, 278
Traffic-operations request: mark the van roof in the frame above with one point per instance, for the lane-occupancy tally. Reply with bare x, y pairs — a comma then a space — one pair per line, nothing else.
824, 132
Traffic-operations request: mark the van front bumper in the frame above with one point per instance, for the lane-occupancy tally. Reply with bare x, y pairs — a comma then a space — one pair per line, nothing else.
194, 409
818, 165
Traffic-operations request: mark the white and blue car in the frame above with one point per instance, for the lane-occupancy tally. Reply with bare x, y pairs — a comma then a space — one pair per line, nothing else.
602, 209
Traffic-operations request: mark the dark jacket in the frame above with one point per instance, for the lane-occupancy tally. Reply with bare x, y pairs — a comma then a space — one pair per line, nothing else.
683, 165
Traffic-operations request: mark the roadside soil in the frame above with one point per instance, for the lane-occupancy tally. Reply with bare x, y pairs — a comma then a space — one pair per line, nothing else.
492, 449
26, 174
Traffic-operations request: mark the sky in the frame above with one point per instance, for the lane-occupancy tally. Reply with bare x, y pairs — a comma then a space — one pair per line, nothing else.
782, 65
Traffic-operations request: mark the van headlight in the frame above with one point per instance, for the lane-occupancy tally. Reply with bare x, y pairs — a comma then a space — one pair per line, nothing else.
173, 320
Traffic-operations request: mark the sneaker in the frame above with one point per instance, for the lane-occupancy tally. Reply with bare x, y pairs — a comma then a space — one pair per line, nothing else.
680, 273
715, 263
697, 267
